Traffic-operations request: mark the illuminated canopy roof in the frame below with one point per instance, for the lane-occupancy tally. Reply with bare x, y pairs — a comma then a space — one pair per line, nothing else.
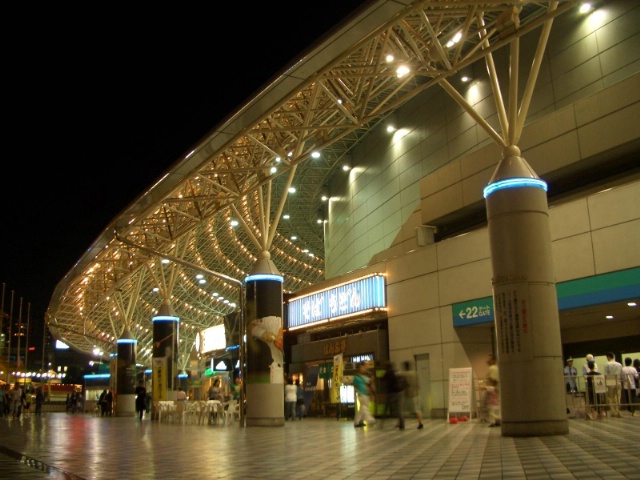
325, 102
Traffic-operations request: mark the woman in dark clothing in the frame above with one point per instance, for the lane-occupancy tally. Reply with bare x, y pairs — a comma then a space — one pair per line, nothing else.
141, 399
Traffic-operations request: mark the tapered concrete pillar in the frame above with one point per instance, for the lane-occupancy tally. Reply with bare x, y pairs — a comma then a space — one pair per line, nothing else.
264, 379
526, 307
126, 375
165, 354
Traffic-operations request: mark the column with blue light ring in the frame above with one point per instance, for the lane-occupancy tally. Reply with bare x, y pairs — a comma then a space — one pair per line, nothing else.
126, 375
527, 323
264, 372
165, 354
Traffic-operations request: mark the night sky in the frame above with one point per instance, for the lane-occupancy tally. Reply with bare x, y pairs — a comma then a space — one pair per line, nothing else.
97, 105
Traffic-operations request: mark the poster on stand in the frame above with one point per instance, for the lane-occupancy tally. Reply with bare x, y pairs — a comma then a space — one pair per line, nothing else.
460, 390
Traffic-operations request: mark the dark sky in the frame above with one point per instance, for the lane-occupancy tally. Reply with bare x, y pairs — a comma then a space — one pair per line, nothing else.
97, 105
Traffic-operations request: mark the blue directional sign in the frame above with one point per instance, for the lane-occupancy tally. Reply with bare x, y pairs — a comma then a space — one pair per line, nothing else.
473, 312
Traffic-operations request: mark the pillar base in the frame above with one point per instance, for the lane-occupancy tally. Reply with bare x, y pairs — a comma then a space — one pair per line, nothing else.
265, 422
126, 405
535, 429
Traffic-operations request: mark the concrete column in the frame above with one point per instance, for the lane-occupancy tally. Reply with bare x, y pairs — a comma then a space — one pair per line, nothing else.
165, 354
264, 379
526, 308
126, 375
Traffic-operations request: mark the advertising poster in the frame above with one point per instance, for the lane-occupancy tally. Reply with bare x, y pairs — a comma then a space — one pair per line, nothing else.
460, 390
159, 375
338, 368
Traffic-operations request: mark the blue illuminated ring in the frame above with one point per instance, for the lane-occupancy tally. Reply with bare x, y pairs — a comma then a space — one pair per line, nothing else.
514, 183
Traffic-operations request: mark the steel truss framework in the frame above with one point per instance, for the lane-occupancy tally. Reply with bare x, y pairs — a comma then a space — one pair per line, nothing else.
244, 169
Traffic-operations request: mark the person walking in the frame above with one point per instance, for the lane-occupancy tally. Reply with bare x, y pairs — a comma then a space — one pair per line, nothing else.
629, 389
141, 399
102, 401
39, 401
290, 398
411, 394
16, 401
299, 399
492, 394
613, 373
363, 388
109, 402
395, 387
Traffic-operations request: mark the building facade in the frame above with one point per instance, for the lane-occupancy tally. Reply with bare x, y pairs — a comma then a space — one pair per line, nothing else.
412, 207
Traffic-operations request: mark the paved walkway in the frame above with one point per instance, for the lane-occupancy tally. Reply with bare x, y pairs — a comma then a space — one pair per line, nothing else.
78, 447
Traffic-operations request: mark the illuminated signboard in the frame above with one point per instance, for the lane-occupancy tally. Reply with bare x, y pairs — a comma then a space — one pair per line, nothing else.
349, 299
213, 338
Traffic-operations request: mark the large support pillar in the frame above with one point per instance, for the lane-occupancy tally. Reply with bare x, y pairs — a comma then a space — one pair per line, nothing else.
165, 354
264, 381
126, 375
526, 308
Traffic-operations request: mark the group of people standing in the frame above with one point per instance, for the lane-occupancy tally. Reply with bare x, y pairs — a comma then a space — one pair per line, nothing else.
105, 401
16, 401
618, 385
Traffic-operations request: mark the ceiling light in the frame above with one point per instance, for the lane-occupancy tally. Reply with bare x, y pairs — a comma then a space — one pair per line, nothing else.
586, 7
273, 170
199, 276
632, 304
402, 70
391, 128
292, 189
294, 238
202, 281
609, 317
389, 58
165, 260
465, 78
319, 221
315, 154
286, 216
278, 159
346, 168
234, 223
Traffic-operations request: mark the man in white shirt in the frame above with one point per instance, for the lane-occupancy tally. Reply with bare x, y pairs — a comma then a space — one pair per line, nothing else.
612, 377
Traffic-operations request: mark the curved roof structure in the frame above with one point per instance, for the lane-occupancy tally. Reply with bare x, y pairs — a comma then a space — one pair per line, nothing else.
179, 241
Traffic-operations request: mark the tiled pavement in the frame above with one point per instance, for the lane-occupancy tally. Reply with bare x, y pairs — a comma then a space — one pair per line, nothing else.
77, 447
